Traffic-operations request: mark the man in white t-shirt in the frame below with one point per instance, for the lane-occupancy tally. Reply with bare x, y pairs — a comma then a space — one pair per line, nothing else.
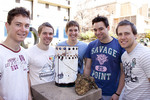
13, 59
136, 63
41, 57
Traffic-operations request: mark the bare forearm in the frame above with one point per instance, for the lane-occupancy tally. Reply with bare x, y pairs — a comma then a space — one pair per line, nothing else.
121, 84
121, 80
116, 95
87, 69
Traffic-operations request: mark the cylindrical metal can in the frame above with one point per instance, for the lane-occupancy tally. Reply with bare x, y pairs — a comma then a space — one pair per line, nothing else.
66, 65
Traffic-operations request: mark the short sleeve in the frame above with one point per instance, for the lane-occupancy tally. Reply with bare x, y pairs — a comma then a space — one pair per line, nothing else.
122, 51
88, 52
145, 62
28, 56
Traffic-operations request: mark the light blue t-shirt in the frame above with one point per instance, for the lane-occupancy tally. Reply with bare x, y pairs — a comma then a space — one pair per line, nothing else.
81, 51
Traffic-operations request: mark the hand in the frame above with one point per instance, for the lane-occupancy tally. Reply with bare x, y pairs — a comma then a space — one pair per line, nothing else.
114, 97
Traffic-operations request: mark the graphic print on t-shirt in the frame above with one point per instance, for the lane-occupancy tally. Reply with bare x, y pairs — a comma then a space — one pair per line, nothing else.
13, 63
106, 61
48, 69
128, 67
23, 62
100, 70
101, 58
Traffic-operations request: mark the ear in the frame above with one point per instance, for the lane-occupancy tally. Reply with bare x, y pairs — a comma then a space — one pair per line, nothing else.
7, 27
66, 33
108, 28
135, 36
39, 34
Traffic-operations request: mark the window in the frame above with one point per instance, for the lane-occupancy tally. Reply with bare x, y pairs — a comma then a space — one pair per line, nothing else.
31, 10
149, 12
149, 15
59, 8
68, 2
46, 5
17, 1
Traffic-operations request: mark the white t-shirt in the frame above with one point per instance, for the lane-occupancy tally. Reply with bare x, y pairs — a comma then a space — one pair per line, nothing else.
137, 71
13, 74
41, 65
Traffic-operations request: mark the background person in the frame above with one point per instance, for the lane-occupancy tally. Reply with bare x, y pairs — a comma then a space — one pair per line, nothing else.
104, 60
41, 57
72, 31
13, 59
136, 63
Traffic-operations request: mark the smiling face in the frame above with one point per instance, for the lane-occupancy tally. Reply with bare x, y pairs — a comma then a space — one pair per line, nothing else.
72, 33
18, 29
126, 38
100, 30
46, 35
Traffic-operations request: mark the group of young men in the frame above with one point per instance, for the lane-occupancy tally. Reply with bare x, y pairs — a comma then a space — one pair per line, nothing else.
115, 64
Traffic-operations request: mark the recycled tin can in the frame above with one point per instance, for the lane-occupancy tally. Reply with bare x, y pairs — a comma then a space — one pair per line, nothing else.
66, 65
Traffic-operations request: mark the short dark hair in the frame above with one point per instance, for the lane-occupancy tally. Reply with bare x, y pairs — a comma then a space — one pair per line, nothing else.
126, 22
72, 23
45, 24
99, 19
17, 11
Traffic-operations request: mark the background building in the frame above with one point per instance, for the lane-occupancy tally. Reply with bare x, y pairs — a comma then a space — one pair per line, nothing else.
56, 12
135, 11
59, 12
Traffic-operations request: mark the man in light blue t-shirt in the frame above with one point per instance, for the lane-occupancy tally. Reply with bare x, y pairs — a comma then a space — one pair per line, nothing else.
72, 31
